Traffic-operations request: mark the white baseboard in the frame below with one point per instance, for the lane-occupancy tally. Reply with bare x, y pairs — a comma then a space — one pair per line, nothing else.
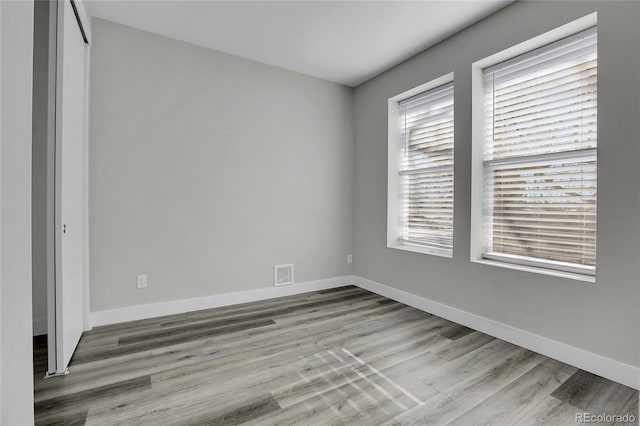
597, 364
39, 326
132, 313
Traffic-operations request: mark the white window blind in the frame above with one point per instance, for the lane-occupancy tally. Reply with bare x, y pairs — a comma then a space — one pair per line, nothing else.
540, 158
426, 170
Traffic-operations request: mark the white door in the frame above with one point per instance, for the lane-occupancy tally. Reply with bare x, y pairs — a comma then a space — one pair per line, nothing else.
69, 198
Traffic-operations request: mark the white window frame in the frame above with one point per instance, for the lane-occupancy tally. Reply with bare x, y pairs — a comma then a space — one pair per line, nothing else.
477, 247
393, 175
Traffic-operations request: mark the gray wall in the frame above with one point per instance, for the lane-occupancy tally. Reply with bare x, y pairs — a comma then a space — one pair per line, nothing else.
16, 371
40, 169
207, 169
602, 318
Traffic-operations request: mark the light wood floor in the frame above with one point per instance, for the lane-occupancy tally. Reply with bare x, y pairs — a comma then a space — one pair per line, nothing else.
343, 356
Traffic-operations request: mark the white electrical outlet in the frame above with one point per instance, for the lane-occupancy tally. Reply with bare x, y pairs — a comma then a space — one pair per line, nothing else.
141, 281
349, 259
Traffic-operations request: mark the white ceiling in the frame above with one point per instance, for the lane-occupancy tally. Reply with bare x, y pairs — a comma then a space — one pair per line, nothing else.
346, 42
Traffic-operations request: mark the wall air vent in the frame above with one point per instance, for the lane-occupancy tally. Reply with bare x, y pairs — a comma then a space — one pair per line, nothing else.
282, 274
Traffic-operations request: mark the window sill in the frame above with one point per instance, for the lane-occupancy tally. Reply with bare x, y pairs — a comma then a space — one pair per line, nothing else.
537, 270
423, 250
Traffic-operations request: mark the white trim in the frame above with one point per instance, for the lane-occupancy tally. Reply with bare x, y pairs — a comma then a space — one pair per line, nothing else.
597, 364
608, 368
132, 313
537, 270
477, 240
549, 37
85, 178
546, 267
416, 248
39, 326
52, 88
431, 84
477, 243
1, 198
16, 83
393, 170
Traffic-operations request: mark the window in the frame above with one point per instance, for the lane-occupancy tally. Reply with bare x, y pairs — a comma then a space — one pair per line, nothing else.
424, 171
539, 156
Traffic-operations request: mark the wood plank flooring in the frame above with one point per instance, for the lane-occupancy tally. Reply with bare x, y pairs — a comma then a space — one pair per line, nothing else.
341, 356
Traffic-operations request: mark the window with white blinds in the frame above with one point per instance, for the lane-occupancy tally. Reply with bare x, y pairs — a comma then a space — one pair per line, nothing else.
540, 162
426, 170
